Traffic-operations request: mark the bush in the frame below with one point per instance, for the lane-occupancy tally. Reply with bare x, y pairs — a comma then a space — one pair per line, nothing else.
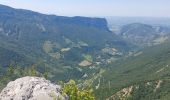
74, 93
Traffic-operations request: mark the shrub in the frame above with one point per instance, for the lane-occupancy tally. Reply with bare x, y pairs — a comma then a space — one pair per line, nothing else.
74, 93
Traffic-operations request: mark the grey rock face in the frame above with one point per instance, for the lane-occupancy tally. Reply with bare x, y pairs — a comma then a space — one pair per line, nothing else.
31, 88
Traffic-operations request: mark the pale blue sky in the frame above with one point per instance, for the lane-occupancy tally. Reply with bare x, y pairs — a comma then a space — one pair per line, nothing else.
148, 8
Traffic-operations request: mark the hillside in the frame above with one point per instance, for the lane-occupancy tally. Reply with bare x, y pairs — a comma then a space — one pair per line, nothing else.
60, 44
144, 35
142, 76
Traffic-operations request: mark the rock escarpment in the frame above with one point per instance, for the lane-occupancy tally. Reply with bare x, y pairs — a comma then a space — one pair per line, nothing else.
31, 88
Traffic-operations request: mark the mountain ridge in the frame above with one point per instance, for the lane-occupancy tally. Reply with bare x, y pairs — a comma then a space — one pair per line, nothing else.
87, 21
52, 40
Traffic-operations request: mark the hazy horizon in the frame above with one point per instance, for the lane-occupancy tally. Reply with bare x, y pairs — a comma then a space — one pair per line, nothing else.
95, 8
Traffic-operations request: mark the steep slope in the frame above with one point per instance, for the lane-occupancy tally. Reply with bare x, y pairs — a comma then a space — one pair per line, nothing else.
150, 65
53, 40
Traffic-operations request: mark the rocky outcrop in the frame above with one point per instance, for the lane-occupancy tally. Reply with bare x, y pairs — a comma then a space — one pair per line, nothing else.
31, 88
122, 94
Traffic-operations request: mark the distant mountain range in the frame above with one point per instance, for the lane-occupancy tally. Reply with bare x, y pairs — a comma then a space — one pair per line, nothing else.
144, 35
141, 34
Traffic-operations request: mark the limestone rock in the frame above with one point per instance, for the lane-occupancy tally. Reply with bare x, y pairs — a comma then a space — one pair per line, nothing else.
31, 88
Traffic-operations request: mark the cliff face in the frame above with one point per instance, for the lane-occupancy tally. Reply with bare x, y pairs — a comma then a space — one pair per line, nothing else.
100, 23
31, 88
